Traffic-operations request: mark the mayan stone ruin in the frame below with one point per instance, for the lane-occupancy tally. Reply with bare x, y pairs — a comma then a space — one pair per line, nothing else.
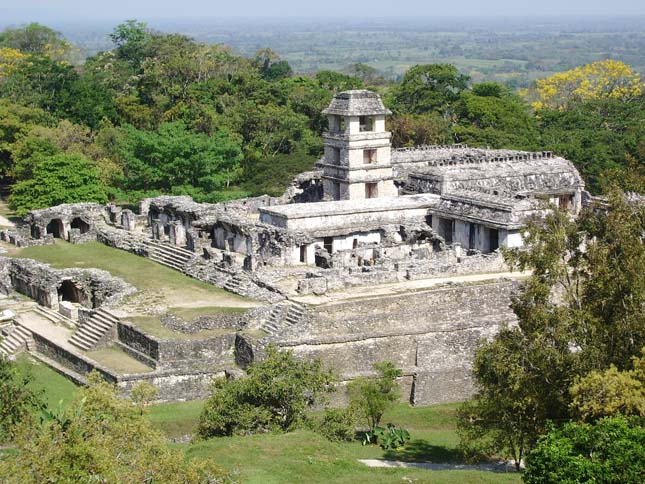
378, 253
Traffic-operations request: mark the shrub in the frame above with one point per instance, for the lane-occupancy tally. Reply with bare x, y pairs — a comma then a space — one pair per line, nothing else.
338, 424
371, 397
275, 395
610, 451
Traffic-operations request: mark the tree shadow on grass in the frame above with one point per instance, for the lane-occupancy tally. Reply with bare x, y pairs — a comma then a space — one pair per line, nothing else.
422, 451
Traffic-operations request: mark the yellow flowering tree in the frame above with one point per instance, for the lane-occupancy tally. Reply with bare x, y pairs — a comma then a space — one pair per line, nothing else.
603, 79
9, 60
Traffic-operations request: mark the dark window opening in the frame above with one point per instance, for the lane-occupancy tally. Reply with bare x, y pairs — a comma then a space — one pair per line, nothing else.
328, 244
472, 236
355, 244
55, 227
366, 123
303, 254
445, 229
429, 220
166, 230
335, 157
369, 156
335, 190
371, 190
68, 291
231, 244
493, 239
565, 202
81, 225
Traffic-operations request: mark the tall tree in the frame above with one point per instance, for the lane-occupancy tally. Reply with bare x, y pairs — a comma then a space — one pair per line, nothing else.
581, 310
429, 87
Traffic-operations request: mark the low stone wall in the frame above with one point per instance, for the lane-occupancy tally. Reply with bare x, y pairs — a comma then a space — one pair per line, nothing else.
173, 385
212, 353
442, 264
130, 336
201, 323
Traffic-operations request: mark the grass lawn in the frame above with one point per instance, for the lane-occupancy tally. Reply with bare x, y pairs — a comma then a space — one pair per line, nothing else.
303, 456
54, 386
118, 360
159, 287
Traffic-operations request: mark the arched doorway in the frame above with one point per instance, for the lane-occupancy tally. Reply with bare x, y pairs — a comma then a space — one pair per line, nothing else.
80, 224
68, 291
55, 227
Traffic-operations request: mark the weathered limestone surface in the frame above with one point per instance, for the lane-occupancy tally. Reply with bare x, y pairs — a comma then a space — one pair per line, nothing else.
91, 288
430, 334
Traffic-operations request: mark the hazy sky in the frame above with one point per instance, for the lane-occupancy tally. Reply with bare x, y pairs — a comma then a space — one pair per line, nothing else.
23, 10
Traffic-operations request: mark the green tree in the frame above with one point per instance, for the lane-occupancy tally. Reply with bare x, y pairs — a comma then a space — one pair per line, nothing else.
524, 373
427, 88
58, 179
610, 393
131, 39
610, 451
419, 129
18, 402
275, 395
174, 156
100, 438
370, 398
35, 39
491, 115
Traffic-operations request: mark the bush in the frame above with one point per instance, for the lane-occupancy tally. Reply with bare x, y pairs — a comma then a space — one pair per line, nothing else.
389, 437
338, 424
371, 397
18, 402
275, 396
611, 451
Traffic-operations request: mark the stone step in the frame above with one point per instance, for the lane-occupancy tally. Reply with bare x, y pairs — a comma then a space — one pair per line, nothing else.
163, 261
101, 321
170, 248
105, 314
90, 333
17, 340
55, 317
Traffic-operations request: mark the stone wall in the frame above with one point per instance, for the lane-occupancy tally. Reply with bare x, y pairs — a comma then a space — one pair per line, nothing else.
430, 334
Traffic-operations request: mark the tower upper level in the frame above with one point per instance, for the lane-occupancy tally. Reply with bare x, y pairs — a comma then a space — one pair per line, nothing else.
357, 162
357, 111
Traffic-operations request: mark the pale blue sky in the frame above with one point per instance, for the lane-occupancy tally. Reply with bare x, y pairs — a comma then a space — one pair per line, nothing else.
22, 10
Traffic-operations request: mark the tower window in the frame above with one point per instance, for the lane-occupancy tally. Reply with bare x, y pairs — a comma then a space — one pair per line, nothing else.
335, 156
369, 156
371, 190
366, 123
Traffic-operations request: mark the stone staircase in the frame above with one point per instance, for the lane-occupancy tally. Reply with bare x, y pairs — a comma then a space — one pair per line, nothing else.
55, 317
236, 283
94, 329
284, 314
18, 339
168, 255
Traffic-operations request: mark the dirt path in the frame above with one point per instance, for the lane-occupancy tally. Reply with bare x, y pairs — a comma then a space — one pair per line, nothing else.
403, 286
431, 466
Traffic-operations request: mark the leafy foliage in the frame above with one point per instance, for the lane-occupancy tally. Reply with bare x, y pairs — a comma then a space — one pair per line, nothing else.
389, 437
100, 438
17, 401
609, 79
371, 397
610, 451
610, 393
275, 396
524, 373
58, 179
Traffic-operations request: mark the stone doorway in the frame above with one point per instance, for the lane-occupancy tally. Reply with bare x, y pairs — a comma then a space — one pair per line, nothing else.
56, 228
69, 291
81, 225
